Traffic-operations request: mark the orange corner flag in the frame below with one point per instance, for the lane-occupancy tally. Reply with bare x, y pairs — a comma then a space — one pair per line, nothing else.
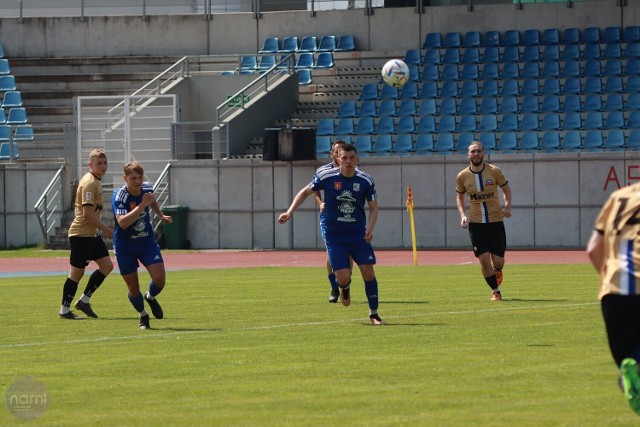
413, 225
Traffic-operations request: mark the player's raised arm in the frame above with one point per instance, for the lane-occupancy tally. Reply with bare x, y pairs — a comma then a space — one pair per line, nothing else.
297, 201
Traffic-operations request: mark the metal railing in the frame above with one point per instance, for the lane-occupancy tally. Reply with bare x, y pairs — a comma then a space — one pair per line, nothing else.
162, 193
50, 206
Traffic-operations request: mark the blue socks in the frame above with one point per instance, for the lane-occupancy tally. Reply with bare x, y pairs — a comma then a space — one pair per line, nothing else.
154, 290
332, 281
137, 302
371, 289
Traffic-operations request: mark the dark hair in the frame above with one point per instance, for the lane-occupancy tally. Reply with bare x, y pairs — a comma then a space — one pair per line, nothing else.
349, 147
132, 167
337, 142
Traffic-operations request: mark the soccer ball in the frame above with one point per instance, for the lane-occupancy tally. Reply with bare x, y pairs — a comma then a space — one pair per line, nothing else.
395, 73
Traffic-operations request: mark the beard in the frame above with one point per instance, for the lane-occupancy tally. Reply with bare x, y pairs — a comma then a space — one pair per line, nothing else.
477, 161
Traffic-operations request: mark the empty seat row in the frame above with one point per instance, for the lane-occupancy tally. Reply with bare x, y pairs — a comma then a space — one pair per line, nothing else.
20, 133
549, 36
14, 116
304, 60
309, 44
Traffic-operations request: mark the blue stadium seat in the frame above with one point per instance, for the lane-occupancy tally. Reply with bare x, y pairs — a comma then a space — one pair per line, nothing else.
612, 35
633, 102
615, 141
488, 105
591, 35
550, 121
592, 102
304, 76
427, 107
249, 62
271, 45
406, 124
509, 123
593, 120
528, 143
471, 39
407, 107
632, 67
633, 143
387, 108
572, 103
368, 108
570, 69
324, 60
432, 56
8, 150
430, 73
429, 90
470, 72
510, 70
530, 70
450, 72
467, 124
531, 87
444, 144
365, 126
403, 144
363, 144
489, 71
17, 116
550, 104
448, 107
572, 86
550, 142
551, 36
592, 85
11, 98
591, 51
305, 60
464, 140
468, 106
612, 51
383, 145
327, 44
592, 68
550, 69
633, 122
613, 85
488, 139
531, 54
452, 39
632, 50
267, 62
633, 84
323, 144
489, 88
427, 124
446, 124
509, 88
491, 38
386, 125
529, 104
424, 143
449, 90
345, 126
471, 56
414, 73
572, 141
389, 92
613, 102
347, 109
531, 37
571, 52
289, 44
511, 54
308, 44
432, 41
23, 133
469, 88
508, 142
571, 36
347, 43
488, 123
5, 133
325, 127
614, 120
631, 34
572, 121
3, 117
529, 122
4, 66
490, 55
451, 56
413, 56
511, 38
551, 53
593, 141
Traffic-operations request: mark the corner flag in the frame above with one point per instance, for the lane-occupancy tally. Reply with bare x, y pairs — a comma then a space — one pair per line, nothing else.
412, 222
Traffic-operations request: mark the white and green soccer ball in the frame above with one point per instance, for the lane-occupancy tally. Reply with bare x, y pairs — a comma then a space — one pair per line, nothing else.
395, 73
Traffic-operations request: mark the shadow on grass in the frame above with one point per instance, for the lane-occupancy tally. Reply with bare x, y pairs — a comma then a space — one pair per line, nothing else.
536, 300
391, 323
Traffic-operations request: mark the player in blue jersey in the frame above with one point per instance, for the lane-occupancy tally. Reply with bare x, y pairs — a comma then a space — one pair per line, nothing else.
346, 231
134, 240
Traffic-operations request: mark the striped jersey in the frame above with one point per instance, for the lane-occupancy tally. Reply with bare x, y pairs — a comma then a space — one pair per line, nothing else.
482, 188
89, 192
344, 199
124, 202
619, 223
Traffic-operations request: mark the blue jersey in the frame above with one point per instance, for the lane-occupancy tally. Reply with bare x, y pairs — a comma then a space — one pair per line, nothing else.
344, 199
141, 231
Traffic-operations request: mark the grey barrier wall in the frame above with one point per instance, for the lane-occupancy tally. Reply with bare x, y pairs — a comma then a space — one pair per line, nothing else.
235, 203
387, 29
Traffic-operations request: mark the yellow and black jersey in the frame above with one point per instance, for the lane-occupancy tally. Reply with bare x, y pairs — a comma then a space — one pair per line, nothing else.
619, 222
482, 188
89, 193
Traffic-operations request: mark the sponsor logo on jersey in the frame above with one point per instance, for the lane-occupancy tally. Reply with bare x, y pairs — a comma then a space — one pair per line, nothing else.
489, 181
132, 205
337, 185
356, 186
88, 196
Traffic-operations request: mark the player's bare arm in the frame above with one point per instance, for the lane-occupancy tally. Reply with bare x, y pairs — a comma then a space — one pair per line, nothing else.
164, 218
595, 250
295, 204
464, 221
371, 223
89, 213
124, 221
506, 193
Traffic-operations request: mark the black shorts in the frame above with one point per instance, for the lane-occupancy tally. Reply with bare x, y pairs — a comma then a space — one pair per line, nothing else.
621, 315
86, 249
489, 237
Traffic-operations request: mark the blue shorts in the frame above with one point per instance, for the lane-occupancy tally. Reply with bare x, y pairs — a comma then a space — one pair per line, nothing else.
128, 256
360, 251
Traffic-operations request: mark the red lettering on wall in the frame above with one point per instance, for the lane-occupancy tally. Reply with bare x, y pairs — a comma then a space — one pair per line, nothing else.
632, 173
612, 176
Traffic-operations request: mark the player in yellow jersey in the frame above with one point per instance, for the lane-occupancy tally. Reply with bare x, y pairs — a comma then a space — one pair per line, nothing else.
614, 250
480, 181
84, 238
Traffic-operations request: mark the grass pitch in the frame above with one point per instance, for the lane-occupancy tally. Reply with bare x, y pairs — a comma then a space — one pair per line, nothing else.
263, 347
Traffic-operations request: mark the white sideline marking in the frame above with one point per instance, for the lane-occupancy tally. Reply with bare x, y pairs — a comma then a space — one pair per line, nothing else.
286, 325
